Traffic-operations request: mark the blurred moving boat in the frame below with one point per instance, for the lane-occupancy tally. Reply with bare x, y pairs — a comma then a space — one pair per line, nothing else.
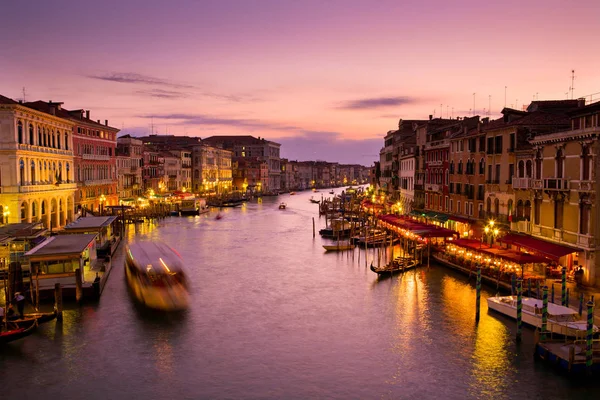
561, 320
155, 276
282, 206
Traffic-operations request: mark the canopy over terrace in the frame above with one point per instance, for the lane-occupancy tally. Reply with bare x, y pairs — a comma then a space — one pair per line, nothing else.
416, 228
547, 249
507, 254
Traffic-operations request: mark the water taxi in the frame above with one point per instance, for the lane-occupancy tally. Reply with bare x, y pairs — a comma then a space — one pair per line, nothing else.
155, 275
282, 206
561, 320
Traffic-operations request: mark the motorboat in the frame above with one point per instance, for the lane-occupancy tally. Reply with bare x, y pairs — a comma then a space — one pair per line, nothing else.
561, 320
282, 206
155, 276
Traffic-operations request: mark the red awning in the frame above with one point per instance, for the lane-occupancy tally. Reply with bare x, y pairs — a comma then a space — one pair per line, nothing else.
551, 250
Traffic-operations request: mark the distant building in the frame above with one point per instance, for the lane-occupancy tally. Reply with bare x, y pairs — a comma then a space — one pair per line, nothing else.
129, 168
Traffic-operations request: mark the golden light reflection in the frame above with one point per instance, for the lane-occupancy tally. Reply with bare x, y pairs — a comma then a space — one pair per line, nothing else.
486, 340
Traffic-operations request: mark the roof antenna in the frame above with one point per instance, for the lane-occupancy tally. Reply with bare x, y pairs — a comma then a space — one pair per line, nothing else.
24, 100
572, 83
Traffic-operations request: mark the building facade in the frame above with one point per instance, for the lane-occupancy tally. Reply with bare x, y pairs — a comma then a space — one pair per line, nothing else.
36, 166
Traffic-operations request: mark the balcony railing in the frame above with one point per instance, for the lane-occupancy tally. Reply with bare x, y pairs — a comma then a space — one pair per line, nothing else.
39, 188
435, 163
41, 149
537, 184
586, 186
433, 187
556, 184
521, 183
91, 182
96, 157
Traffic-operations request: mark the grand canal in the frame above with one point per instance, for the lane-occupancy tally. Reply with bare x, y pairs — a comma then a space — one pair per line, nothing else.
274, 316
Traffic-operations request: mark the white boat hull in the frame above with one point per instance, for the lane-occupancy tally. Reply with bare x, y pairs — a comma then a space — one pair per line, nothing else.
565, 328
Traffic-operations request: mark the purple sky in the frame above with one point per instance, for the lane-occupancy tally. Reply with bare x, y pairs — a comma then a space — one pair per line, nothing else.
327, 79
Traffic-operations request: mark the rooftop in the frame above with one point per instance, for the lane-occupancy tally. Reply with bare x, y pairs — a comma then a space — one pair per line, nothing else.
91, 223
62, 245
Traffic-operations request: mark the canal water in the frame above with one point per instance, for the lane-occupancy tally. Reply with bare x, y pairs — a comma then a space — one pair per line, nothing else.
274, 316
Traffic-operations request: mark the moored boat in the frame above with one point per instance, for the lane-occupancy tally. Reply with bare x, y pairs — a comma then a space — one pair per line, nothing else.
339, 246
561, 320
399, 264
155, 276
29, 318
282, 206
17, 333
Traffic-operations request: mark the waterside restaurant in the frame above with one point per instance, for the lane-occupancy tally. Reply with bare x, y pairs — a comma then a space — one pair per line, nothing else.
105, 228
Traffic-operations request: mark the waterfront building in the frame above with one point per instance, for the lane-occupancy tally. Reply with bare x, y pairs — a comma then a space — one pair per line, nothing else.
505, 138
419, 186
250, 174
94, 147
153, 171
386, 164
288, 175
211, 169
172, 171
249, 146
185, 169
36, 165
129, 168
565, 188
304, 177
436, 149
467, 174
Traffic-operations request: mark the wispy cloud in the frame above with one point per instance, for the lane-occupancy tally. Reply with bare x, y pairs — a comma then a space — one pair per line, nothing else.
134, 78
163, 94
377, 102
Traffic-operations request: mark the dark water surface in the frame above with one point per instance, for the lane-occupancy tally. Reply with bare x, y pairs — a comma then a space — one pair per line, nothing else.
274, 316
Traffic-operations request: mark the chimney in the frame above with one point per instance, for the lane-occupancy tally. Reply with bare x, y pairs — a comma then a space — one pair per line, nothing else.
81, 114
87, 114
106, 122
581, 102
98, 121
430, 117
485, 120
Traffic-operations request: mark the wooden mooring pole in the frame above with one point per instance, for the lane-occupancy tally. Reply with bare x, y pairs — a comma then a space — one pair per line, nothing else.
478, 293
313, 226
519, 308
78, 285
58, 304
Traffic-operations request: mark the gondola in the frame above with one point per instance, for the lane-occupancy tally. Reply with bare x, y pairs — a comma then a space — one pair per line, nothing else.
18, 333
398, 265
38, 317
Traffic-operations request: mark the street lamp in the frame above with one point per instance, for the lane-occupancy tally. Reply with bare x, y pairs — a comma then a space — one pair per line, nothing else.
490, 228
102, 200
5, 214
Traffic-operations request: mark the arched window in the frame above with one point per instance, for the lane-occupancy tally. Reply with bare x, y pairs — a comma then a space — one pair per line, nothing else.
538, 164
68, 167
22, 172
58, 139
33, 210
521, 169
23, 211
510, 207
560, 158
20, 132
528, 169
39, 141
53, 137
31, 135
452, 167
45, 138
520, 209
460, 167
527, 211
447, 178
481, 167
497, 206
32, 172
585, 163
66, 141
488, 205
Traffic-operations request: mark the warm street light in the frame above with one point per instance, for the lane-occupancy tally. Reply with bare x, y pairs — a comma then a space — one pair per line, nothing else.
102, 200
490, 229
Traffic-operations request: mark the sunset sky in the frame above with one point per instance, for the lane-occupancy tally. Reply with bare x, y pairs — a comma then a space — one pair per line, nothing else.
326, 79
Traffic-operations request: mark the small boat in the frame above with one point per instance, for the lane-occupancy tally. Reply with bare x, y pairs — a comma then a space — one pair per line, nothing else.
561, 320
339, 246
312, 200
219, 216
332, 192
399, 264
282, 206
17, 333
292, 193
38, 317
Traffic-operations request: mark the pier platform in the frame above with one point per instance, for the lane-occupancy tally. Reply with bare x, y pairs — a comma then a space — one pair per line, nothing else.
570, 356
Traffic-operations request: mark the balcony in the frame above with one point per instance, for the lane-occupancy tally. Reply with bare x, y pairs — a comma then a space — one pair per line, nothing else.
435, 163
556, 184
41, 149
521, 183
433, 187
585, 241
586, 186
39, 188
537, 184
93, 182
521, 226
96, 157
